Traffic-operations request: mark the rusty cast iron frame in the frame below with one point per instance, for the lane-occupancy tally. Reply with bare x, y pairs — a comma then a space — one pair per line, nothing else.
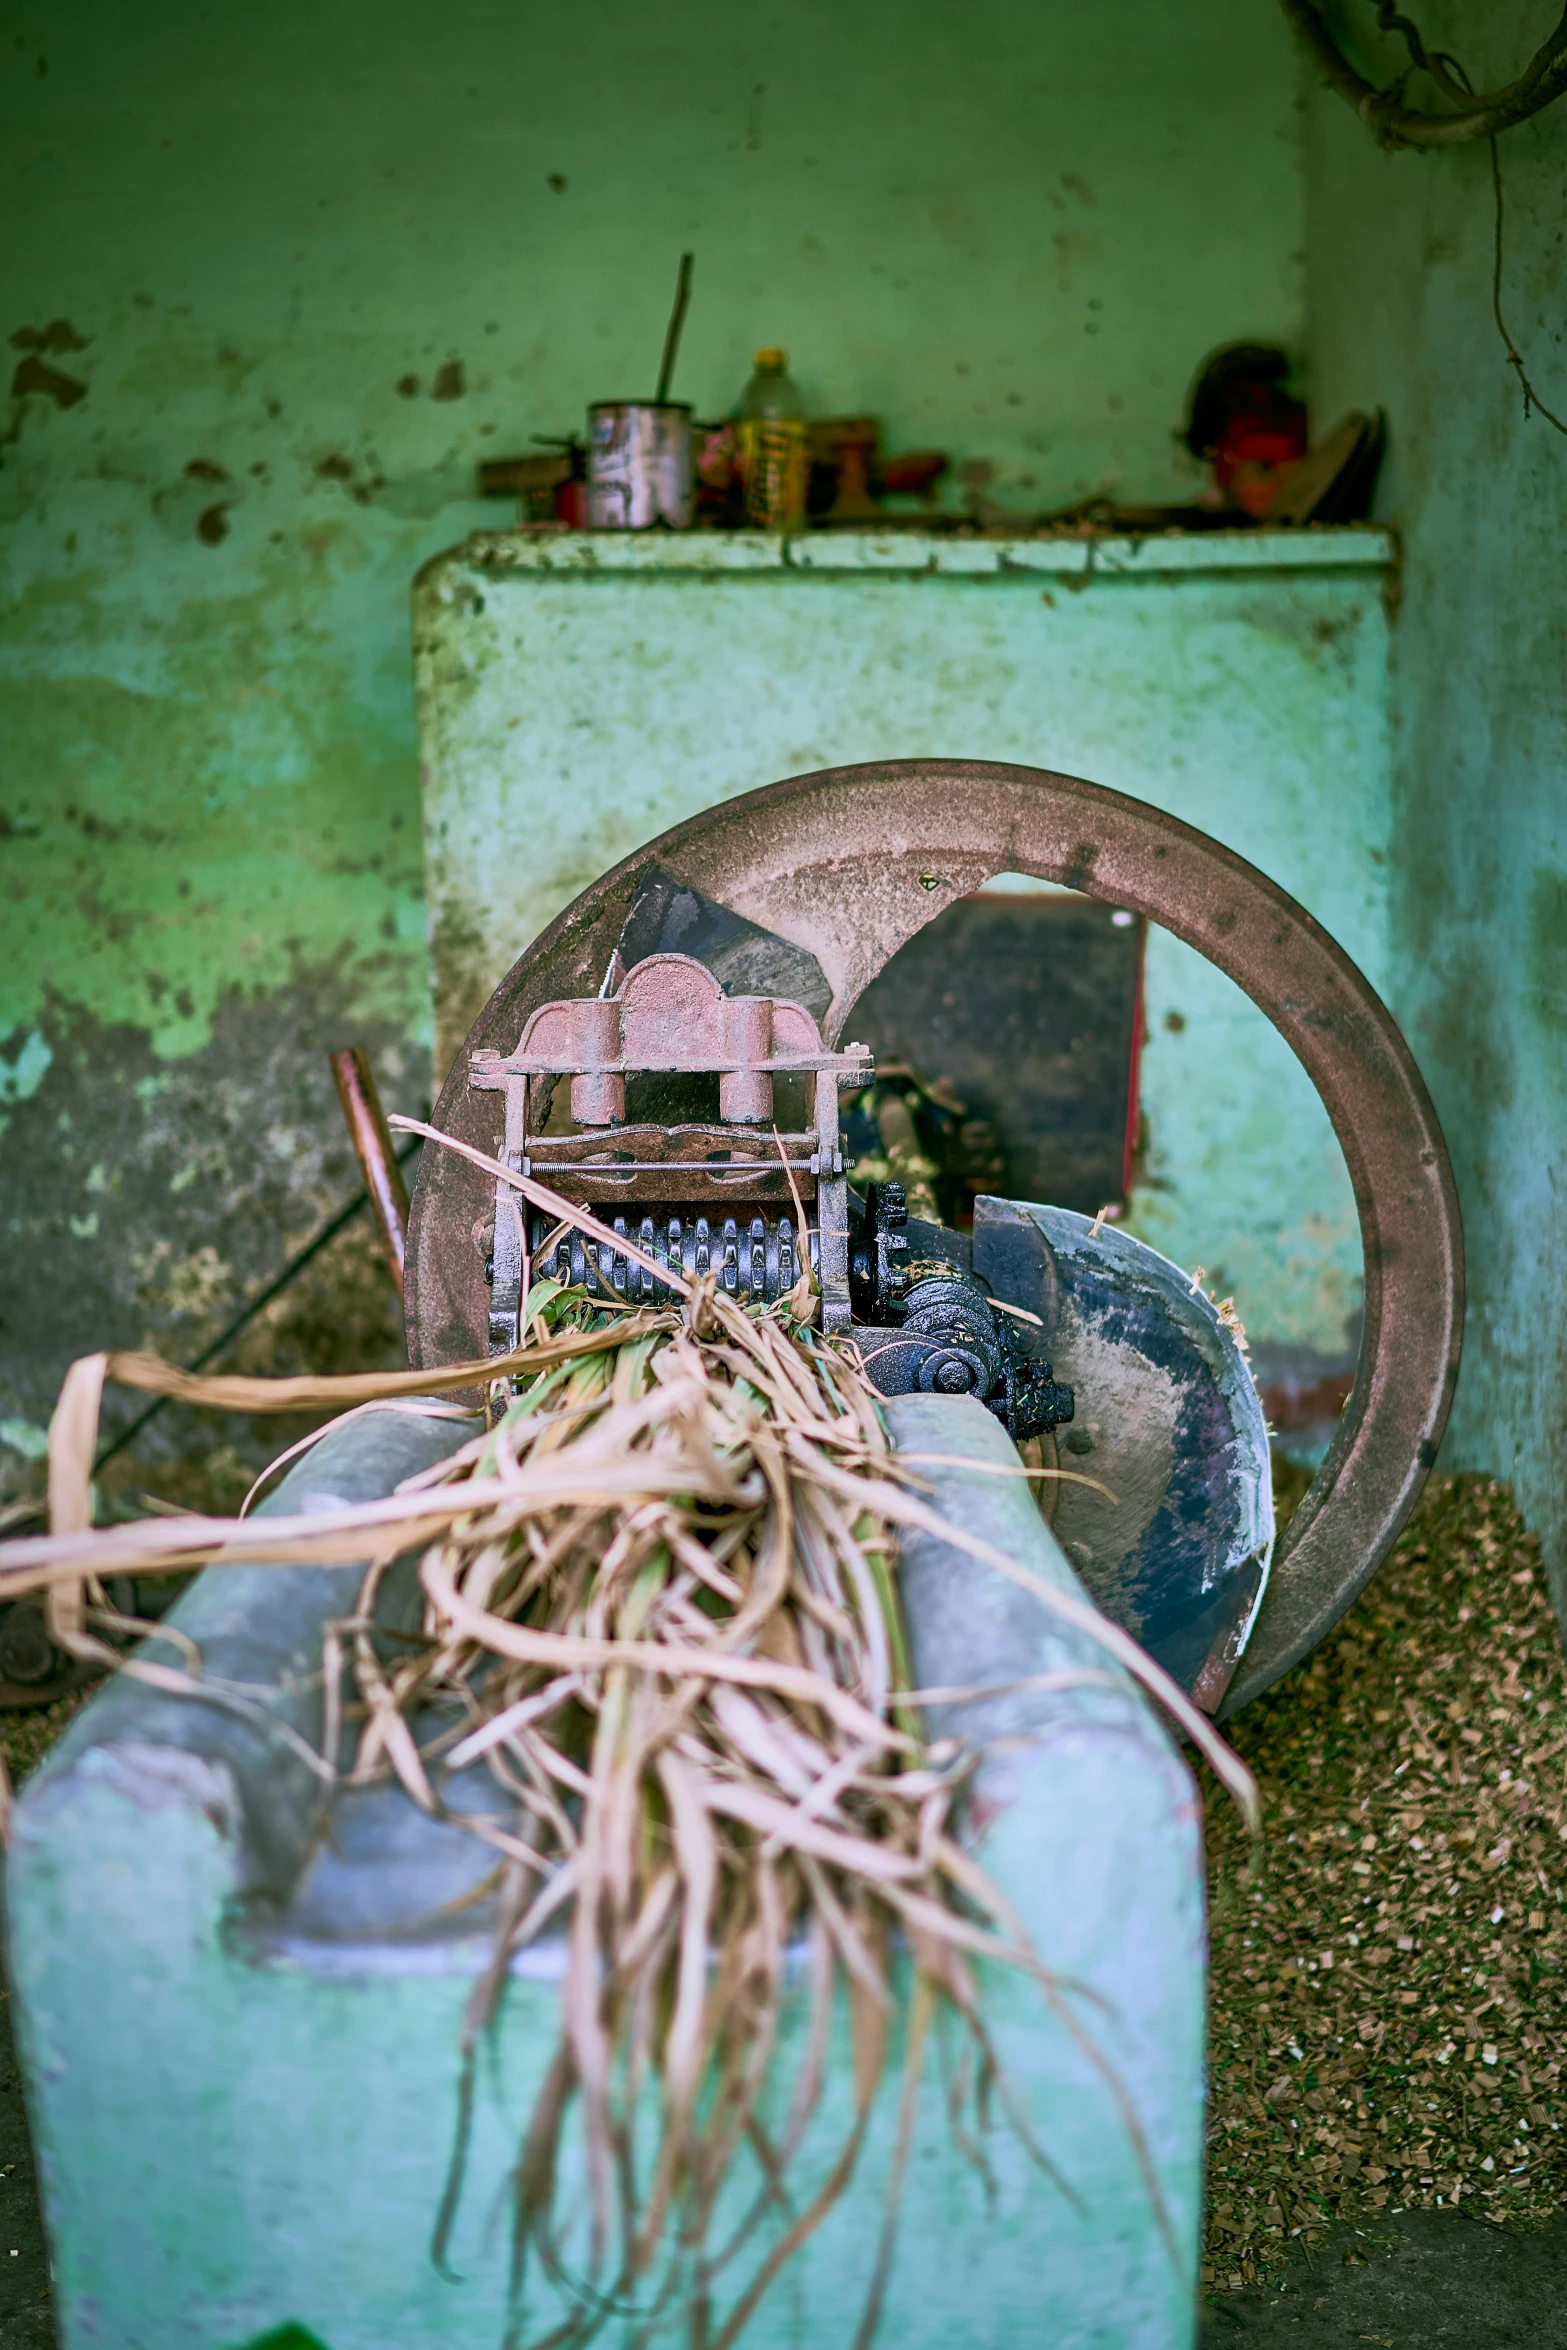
850, 863
671, 1016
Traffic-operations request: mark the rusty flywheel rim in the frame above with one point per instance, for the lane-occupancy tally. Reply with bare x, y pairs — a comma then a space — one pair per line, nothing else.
853, 861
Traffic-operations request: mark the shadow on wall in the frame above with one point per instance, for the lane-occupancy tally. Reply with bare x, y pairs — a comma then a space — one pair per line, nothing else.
145, 1200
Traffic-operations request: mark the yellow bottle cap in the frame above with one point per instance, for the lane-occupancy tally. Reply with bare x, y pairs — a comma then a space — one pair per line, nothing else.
772, 358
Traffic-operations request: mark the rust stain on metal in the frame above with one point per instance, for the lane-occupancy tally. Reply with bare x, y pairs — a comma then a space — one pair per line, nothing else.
670, 1015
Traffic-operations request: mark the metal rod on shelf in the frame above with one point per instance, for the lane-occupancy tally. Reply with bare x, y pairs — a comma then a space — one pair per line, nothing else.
677, 319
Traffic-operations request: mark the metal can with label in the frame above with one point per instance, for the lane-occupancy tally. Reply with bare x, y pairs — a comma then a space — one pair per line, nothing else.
640, 473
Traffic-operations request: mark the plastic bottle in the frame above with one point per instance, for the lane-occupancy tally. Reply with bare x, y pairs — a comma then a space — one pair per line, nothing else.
774, 446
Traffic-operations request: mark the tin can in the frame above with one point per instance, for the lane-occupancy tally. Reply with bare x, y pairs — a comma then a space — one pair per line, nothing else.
639, 465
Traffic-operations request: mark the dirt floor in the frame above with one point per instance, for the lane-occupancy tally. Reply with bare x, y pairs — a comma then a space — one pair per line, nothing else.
1389, 1977
1388, 1984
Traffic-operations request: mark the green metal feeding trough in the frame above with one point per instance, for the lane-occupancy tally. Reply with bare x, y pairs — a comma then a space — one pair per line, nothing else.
239, 2017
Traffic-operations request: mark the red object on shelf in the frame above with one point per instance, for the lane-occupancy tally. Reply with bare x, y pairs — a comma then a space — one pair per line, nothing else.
1250, 452
571, 504
1243, 418
913, 475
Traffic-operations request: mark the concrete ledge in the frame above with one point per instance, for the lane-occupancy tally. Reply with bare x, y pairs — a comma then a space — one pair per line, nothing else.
930, 554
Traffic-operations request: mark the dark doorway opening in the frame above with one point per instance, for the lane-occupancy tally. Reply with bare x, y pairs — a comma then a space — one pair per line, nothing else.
1006, 1036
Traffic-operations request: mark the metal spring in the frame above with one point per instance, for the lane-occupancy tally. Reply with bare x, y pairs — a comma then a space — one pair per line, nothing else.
759, 1259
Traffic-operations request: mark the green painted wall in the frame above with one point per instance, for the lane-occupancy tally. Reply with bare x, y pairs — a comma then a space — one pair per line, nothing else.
273, 281
1401, 251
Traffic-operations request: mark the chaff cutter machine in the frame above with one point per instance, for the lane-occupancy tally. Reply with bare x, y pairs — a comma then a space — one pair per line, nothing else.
241, 1995
723, 1190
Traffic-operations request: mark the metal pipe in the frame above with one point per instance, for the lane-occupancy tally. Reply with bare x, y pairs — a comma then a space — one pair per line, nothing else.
368, 1132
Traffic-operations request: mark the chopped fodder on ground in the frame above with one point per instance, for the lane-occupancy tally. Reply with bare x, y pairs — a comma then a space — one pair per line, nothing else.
1389, 1986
